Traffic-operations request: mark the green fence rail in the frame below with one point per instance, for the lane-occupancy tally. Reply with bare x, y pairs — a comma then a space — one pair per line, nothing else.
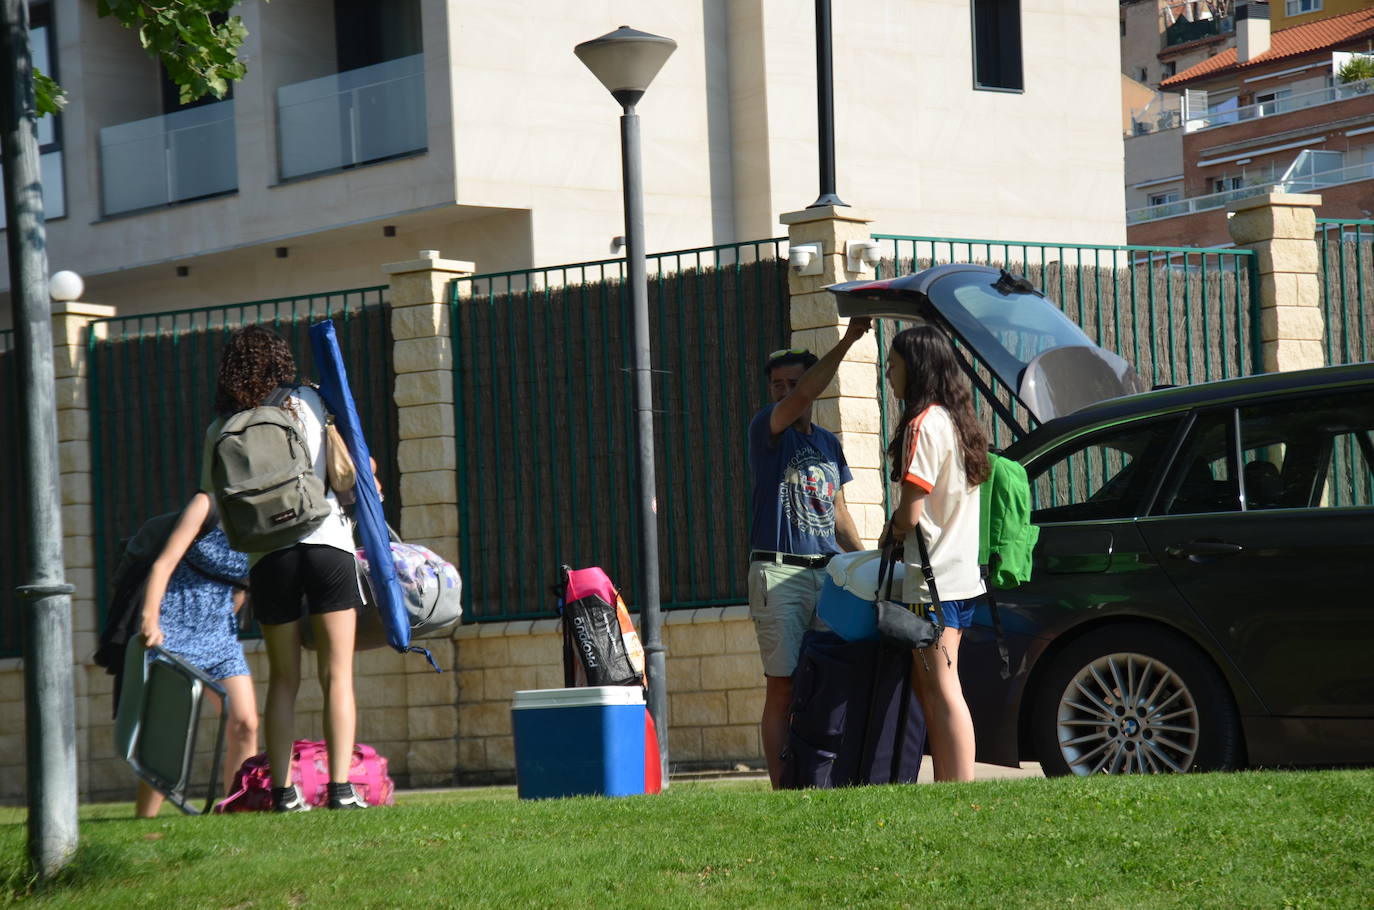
12, 494
152, 387
1179, 315
1346, 250
544, 418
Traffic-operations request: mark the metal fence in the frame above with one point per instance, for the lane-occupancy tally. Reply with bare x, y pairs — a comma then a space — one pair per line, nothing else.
12, 495
1346, 271
1178, 315
544, 419
152, 386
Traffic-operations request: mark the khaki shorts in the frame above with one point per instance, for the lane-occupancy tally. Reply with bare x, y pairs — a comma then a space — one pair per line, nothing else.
782, 603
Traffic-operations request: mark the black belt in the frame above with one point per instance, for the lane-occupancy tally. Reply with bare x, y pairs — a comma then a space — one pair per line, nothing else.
787, 559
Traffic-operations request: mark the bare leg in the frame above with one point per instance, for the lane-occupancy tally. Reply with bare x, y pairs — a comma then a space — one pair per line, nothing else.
283, 681
149, 802
777, 702
334, 633
949, 725
241, 736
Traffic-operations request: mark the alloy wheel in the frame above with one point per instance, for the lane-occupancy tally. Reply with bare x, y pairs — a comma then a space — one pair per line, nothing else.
1127, 713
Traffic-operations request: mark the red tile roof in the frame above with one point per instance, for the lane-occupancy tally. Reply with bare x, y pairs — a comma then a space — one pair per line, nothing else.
1283, 44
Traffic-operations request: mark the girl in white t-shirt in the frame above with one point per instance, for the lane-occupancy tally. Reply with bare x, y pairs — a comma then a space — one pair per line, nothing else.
939, 456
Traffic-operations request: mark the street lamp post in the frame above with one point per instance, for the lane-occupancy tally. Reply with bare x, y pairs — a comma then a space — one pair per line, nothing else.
626, 61
825, 107
49, 715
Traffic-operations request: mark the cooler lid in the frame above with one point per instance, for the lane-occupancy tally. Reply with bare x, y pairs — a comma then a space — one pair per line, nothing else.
857, 573
579, 697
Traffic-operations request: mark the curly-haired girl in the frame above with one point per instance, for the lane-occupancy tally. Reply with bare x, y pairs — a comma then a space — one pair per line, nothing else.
319, 570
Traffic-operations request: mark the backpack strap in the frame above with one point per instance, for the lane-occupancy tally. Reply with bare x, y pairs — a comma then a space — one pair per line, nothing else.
986, 570
278, 396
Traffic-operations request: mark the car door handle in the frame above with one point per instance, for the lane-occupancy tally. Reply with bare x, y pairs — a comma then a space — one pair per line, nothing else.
1194, 548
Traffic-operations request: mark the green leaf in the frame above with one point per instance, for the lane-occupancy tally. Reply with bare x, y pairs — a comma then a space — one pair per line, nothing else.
50, 96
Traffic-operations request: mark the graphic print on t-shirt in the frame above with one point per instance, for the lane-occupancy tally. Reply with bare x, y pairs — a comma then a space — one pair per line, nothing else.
807, 492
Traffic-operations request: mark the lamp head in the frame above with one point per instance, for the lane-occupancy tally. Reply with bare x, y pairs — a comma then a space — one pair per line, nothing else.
626, 61
65, 286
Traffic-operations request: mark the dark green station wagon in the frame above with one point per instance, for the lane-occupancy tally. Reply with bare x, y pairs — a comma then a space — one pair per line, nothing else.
1202, 592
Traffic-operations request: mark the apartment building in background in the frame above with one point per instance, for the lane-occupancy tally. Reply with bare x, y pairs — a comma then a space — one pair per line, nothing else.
365, 131
1272, 111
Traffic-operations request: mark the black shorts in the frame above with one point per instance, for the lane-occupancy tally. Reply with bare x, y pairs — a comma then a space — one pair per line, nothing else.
286, 583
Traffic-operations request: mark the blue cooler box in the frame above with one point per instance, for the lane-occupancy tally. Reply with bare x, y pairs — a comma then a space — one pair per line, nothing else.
851, 587
587, 741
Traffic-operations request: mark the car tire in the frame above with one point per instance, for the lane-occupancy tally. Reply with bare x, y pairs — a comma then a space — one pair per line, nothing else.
1134, 699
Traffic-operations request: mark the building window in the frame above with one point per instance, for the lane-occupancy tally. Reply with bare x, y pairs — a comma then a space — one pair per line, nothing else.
1123, 27
1222, 184
1269, 101
1298, 7
1142, 74
1170, 67
1164, 198
997, 45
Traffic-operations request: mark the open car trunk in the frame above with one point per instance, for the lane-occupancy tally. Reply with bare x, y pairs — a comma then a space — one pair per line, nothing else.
1046, 362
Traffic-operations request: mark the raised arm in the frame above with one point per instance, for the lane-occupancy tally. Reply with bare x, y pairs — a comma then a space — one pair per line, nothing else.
814, 380
178, 542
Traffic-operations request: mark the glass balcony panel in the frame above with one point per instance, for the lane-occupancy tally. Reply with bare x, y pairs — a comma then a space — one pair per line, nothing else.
353, 117
184, 155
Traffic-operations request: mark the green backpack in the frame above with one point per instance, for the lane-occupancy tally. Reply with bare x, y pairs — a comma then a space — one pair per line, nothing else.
1006, 537
263, 479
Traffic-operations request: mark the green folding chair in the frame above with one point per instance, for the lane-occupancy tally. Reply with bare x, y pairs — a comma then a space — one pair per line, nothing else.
161, 703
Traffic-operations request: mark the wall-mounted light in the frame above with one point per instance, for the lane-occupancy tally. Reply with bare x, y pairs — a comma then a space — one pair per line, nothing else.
65, 285
617, 243
805, 258
861, 255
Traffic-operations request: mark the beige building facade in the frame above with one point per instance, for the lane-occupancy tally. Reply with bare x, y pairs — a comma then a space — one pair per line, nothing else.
472, 129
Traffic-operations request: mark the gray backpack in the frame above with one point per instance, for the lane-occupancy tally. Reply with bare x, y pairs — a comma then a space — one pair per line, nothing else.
264, 481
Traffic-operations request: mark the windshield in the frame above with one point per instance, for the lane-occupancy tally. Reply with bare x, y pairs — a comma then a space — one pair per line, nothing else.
1007, 329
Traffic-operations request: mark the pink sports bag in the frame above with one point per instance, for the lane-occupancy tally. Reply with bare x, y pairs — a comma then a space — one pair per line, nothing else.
310, 770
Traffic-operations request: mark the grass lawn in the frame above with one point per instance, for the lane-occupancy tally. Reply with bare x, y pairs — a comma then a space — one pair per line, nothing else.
1261, 839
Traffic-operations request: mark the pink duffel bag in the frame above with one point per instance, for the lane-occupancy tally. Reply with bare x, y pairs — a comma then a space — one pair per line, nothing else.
310, 770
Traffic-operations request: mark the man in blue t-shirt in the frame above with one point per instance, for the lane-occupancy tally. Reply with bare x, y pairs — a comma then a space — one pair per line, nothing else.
798, 520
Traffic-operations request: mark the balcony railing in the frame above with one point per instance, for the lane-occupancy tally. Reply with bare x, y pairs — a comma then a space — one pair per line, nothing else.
1304, 184
354, 117
181, 156
1328, 95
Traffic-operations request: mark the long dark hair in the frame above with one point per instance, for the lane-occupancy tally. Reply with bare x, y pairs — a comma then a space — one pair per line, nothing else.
255, 361
933, 376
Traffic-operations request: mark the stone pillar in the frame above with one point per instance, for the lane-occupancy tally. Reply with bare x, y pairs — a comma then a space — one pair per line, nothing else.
428, 465
423, 355
1281, 230
849, 407
91, 685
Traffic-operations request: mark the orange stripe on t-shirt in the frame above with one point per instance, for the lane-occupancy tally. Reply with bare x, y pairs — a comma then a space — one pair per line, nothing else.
915, 434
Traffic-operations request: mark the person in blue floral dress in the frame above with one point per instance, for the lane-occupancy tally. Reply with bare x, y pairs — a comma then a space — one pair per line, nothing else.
189, 610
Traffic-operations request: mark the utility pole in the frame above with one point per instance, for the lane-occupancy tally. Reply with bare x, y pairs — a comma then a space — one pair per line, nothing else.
46, 599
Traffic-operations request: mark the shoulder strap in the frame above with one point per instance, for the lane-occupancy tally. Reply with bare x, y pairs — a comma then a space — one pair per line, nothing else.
279, 396
987, 570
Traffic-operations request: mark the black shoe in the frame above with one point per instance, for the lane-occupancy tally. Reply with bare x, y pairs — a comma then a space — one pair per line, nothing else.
344, 796
289, 799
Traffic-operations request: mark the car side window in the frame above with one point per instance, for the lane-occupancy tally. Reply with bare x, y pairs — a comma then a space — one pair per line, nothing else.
1203, 479
1309, 452
1104, 476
